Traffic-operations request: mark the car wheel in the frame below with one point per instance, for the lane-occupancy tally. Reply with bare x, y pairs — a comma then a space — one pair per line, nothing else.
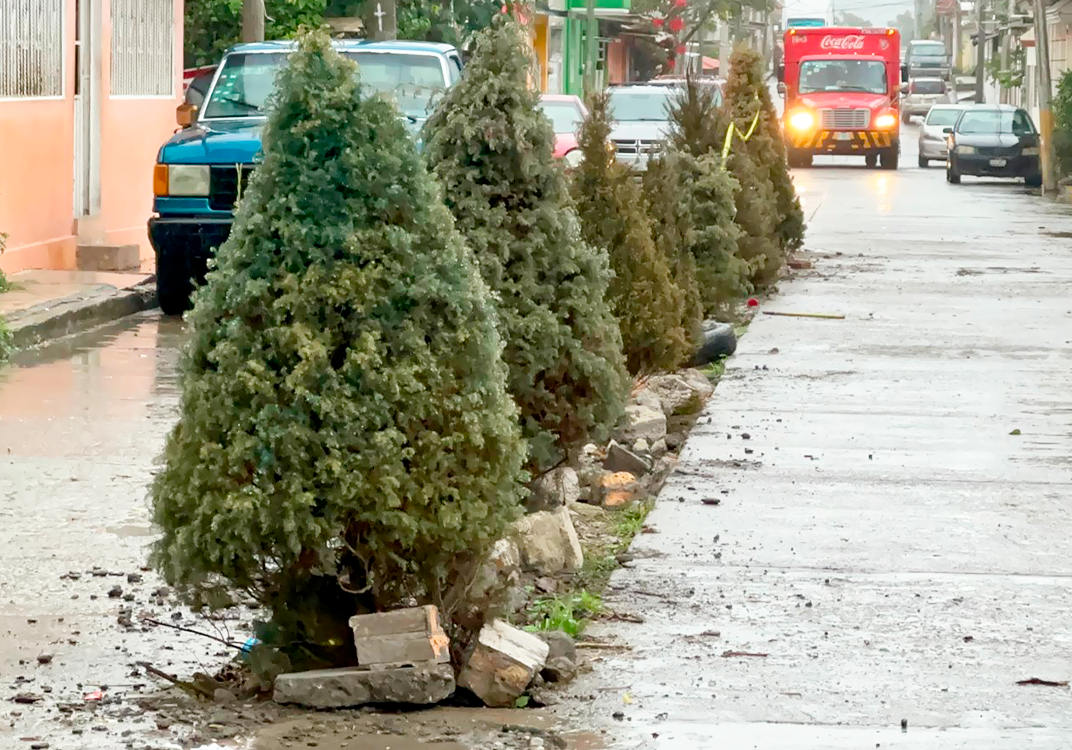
871, 160
1034, 180
173, 284
889, 158
952, 176
924, 162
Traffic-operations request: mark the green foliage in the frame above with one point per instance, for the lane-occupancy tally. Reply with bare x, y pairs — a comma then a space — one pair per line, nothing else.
567, 612
1010, 76
492, 150
692, 199
1062, 123
346, 440
768, 211
450, 22
647, 303
212, 26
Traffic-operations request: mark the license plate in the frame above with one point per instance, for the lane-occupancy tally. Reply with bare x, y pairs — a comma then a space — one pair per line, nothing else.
842, 136
997, 162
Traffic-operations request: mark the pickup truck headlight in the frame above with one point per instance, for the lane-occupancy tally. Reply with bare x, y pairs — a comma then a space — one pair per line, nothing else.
183, 180
966, 150
886, 121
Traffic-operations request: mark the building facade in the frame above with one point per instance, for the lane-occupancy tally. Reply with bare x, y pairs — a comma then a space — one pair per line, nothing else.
88, 90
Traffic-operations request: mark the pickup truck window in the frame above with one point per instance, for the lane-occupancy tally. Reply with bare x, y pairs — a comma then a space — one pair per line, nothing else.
868, 76
414, 81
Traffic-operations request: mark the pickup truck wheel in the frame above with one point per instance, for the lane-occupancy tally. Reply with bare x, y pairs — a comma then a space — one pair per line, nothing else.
1034, 180
889, 158
871, 160
952, 176
924, 163
173, 284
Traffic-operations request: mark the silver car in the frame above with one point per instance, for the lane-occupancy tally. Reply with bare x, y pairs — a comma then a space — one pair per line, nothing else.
924, 93
641, 113
932, 138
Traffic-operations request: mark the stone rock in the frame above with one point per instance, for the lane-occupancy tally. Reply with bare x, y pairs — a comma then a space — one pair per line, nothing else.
352, 686
555, 488
503, 663
675, 440
660, 448
559, 644
497, 585
587, 510
400, 637
408, 620
681, 393
642, 420
548, 542
641, 446
559, 669
621, 459
222, 695
617, 489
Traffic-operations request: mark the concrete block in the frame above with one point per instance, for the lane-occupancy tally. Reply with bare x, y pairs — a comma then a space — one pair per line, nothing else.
620, 458
503, 663
410, 620
406, 648
108, 258
353, 686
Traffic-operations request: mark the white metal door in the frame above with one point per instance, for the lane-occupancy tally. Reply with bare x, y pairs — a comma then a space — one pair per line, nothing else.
84, 130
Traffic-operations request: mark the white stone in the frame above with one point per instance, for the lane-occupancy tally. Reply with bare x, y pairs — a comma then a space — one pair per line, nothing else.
642, 421
557, 487
503, 663
680, 393
548, 542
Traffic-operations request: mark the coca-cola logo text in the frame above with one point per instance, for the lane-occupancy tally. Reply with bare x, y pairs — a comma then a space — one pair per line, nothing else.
844, 43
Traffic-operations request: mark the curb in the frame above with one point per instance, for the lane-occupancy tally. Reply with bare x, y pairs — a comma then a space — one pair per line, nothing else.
75, 314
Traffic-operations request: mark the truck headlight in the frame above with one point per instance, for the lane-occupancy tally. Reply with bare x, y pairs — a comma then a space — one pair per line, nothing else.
802, 120
885, 121
185, 180
967, 150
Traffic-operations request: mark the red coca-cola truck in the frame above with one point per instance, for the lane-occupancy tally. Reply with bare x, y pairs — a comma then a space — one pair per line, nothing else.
842, 89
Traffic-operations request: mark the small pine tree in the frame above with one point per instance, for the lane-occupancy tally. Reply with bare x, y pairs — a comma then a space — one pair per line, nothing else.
695, 197
767, 177
491, 148
647, 303
346, 440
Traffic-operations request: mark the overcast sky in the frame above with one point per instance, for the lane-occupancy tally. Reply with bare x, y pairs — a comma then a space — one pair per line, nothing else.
878, 12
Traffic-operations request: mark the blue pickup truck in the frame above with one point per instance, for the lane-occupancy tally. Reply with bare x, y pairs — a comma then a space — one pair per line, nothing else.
202, 169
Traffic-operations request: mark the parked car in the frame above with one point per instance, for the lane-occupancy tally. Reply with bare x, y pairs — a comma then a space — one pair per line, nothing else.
201, 171
566, 113
924, 93
932, 136
641, 113
993, 141
927, 57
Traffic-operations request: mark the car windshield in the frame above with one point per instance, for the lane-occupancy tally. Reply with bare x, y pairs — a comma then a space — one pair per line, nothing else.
842, 75
994, 121
633, 106
565, 116
927, 87
931, 49
943, 117
247, 80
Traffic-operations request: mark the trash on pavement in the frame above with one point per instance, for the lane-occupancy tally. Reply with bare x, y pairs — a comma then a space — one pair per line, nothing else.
1043, 683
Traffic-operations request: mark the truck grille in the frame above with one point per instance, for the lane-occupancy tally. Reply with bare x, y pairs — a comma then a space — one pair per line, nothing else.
636, 147
224, 185
844, 119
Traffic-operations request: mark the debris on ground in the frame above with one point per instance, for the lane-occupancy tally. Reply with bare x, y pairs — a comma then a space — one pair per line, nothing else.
503, 663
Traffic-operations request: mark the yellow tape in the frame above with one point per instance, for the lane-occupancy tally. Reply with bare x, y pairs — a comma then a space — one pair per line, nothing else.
743, 136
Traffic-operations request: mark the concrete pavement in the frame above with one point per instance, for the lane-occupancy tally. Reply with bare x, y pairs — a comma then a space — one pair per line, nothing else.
884, 546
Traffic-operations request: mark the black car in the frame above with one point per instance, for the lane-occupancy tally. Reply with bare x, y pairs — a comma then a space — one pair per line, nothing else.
994, 141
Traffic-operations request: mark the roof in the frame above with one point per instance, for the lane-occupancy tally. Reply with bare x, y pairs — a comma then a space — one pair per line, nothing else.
349, 45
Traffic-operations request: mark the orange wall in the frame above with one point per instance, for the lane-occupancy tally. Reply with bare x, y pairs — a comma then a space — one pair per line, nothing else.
37, 164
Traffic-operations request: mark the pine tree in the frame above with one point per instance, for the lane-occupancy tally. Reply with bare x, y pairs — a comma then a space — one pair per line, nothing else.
346, 440
768, 211
647, 303
492, 150
693, 197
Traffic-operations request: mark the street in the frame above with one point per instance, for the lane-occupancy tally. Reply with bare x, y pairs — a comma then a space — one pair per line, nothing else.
885, 548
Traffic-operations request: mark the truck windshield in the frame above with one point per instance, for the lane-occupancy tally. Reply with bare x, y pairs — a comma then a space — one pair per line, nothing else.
930, 49
633, 106
247, 80
842, 75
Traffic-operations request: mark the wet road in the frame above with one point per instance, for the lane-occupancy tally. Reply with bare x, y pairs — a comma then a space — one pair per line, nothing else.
885, 549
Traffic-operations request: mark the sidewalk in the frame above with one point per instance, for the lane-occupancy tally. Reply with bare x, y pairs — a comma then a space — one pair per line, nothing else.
46, 305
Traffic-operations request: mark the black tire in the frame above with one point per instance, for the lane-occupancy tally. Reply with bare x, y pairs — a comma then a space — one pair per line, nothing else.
889, 158
173, 284
799, 159
871, 160
1034, 180
719, 340
924, 162
952, 176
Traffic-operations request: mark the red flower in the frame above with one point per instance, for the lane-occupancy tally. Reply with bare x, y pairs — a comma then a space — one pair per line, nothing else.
681, 49
657, 23
753, 302
677, 24
680, 3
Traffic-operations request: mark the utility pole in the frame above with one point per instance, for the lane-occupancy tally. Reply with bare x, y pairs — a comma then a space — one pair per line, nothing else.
590, 48
1045, 94
725, 49
252, 20
980, 54
381, 23
1006, 33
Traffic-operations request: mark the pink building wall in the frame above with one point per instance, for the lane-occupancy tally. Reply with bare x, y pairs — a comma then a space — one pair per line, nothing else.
37, 163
